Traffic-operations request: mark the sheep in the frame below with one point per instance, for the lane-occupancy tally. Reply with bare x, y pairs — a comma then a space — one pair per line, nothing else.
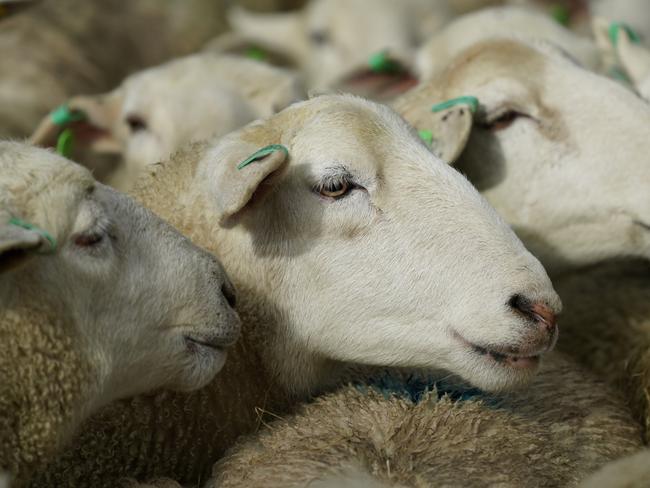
535, 131
522, 22
60, 48
622, 49
554, 433
628, 472
340, 185
99, 300
154, 112
331, 39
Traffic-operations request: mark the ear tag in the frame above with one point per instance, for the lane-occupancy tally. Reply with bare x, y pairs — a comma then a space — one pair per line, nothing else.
614, 29
26, 225
262, 153
561, 14
256, 53
471, 102
381, 63
64, 143
427, 136
62, 115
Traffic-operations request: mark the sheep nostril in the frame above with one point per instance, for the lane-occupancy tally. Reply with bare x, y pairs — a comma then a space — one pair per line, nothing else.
539, 312
229, 293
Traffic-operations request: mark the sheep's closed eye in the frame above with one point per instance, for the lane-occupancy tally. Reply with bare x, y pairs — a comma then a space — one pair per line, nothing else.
88, 239
318, 37
501, 121
136, 123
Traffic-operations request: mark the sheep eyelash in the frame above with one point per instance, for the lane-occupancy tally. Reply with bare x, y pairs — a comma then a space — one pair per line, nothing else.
334, 176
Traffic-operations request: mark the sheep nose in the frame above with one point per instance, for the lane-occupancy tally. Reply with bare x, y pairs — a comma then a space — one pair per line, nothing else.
538, 312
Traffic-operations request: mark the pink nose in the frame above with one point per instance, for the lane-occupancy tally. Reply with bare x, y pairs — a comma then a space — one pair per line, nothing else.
539, 312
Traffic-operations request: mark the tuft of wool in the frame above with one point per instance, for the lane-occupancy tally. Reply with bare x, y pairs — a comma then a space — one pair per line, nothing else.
606, 326
44, 371
566, 425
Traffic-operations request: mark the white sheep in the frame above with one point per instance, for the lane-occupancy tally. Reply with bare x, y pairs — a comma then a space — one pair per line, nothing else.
445, 46
154, 112
561, 164
352, 245
393, 434
58, 49
99, 300
570, 182
331, 40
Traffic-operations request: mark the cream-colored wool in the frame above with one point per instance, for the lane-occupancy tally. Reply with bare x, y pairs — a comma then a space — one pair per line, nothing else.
554, 433
320, 282
156, 111
606, 326
628, 472
60, 48
80, 326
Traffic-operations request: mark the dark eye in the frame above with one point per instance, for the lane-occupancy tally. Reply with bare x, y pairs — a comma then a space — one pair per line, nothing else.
88, 240
318, 37
335, 189
136, 123
501, 122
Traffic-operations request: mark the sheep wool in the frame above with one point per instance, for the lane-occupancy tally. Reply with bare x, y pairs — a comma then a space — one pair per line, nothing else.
606, 326
44, 371
566, 425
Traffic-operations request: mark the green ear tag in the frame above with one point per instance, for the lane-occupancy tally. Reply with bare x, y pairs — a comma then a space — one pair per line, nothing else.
62, 115
64, 143
262, 153
614, 28
26, 225
256, 53
561, 14
426, 136
471, 102
381, 63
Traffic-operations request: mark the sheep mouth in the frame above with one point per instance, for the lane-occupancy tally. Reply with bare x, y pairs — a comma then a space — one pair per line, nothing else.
505, 356
195, 345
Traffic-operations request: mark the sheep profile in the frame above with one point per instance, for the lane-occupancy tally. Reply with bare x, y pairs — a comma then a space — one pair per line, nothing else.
99, 300
154, 112
337, 188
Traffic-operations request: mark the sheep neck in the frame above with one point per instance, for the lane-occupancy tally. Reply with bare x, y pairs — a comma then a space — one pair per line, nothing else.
46, 387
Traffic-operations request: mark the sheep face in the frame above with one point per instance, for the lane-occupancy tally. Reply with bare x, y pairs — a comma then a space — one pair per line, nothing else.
149, 307
560, 152
374, 251
330, 39
157, 110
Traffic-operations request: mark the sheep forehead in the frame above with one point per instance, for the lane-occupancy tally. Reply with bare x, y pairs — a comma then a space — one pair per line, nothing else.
35, 181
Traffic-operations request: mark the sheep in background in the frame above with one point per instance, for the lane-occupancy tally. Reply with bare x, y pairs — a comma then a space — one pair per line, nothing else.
99, 300
422, 272
154, 112
565, 425
60, 48
331, 40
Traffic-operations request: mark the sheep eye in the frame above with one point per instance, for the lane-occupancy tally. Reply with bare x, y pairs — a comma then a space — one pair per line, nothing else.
88, 240
136, 123
501, 122
318, 37
335, 189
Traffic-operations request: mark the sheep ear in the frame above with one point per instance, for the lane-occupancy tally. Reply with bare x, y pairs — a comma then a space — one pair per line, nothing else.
280, 31
446, 131
244, 174
89, 118
17, 245
634, 58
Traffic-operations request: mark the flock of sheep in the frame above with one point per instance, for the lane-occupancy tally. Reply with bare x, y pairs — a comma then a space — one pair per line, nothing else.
332, 266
